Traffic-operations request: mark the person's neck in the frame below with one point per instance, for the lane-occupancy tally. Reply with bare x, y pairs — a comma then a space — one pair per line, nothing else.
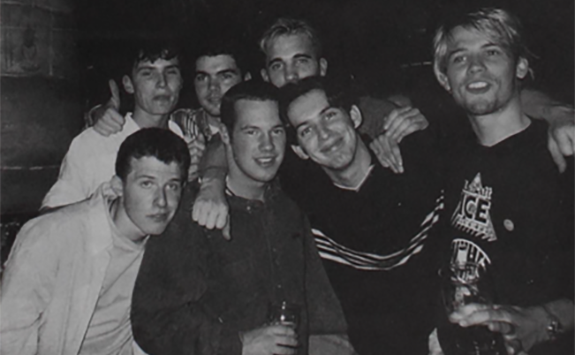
250, 190
146, 120
215, 120
352, 175
496, 127
124, 224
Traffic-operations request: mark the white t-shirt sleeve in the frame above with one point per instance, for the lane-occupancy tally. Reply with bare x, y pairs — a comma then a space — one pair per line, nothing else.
72, 185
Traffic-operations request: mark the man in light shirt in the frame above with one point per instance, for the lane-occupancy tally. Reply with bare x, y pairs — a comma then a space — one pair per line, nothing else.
67, 286
155, 81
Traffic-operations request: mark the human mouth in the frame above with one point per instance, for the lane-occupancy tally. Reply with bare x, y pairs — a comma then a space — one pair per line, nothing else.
332, 147
163, 98
266, 161
159, 217
478, 87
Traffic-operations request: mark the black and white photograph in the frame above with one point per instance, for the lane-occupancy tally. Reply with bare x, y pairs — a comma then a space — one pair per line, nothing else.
287, 177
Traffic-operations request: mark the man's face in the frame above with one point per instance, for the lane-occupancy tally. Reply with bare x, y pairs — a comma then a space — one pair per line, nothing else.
481, 73
214, 77
156, 86
257, 141
150, 195
325, 134
290, 58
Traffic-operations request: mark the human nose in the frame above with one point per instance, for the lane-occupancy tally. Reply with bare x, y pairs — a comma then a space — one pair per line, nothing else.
161, 198
267, 143
323, 131
291, 74
162, 80
213, 84
476, 64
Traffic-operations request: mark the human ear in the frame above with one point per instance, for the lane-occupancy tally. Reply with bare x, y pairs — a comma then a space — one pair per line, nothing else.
265, 76
322, 66
225, 134
522, 68
442, 78
117, 185
299, 152
355, 115
128, 85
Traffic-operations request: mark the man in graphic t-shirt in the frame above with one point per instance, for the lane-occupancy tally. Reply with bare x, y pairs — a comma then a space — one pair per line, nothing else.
511, 211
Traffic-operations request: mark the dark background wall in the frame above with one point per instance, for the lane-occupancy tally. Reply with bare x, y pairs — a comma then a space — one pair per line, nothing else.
56, 57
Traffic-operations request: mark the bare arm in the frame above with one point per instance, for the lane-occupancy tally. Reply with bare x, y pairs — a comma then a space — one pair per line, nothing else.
210, 207
561, 119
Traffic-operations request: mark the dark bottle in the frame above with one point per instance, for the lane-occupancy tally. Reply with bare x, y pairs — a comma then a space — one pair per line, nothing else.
465, 283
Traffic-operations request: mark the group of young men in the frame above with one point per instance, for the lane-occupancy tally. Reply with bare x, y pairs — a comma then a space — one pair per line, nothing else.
354, 246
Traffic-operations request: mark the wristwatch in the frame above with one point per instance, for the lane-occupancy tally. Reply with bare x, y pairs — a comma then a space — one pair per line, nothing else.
554, 327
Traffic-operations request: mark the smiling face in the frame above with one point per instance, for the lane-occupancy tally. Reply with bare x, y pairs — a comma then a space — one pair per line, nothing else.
155, 85
290, 58
214, 77
481, 74
149, 197
257, 142
325, 134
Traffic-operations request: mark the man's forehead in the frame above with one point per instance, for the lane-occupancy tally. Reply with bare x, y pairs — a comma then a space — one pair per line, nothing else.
158, 62
219, 62
251, 111
463, 36
308, 105
152, 166
289, 45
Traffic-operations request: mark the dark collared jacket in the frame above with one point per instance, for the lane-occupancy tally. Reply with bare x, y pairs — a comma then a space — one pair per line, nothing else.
196, 291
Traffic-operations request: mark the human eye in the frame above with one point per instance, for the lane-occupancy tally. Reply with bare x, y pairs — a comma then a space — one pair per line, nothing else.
228, 76
493, 52
278, 131
304, 132
275, 66
250, 131
146, 183
174, 71
303, 60
329, 115
457, 59
145, 72
200, 77
174, 186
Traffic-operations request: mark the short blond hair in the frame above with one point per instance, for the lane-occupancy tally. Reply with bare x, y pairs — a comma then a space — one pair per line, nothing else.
498, 24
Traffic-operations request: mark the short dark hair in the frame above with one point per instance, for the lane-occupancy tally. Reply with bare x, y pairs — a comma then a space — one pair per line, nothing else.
224, 46
150, 50
159, 143
337, 94
247, 90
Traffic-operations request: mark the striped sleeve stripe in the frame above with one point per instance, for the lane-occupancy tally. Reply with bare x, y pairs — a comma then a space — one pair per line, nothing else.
331, 250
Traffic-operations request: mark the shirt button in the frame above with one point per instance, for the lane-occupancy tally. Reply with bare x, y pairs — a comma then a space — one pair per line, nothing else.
508, 224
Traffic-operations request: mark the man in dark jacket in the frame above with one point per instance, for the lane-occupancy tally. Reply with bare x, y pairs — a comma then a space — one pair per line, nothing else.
198, 293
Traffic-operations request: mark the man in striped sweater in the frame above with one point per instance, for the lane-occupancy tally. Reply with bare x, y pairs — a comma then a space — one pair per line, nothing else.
372, 227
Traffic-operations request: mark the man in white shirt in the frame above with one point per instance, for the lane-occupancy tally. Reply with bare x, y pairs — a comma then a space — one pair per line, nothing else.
67, 286
155, 82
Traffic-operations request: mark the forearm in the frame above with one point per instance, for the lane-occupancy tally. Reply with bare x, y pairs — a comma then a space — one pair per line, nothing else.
538, 105
214, 163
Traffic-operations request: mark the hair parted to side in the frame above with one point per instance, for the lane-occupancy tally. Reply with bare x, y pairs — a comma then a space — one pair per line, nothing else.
141, 50
289, 26
159, 143
336, 91
247, 90
224, 46
504, 28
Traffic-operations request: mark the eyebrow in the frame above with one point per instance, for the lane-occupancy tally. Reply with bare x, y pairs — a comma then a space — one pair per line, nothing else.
327, 108
297, 55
